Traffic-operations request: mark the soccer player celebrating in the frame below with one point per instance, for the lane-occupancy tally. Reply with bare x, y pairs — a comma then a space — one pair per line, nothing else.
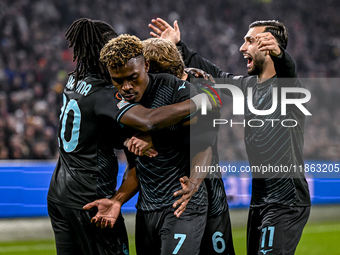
88, 132
280, 202
164, 57
158, 230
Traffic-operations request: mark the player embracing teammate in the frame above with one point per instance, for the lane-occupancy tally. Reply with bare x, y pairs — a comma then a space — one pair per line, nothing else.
280, 202
86, 169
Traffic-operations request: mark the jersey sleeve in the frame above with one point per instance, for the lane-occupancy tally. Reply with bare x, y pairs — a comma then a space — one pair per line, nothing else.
192, 59
286, 72
183, 90
284, 65
110, 103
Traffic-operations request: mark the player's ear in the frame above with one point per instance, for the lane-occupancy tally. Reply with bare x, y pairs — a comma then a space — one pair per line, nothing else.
147, 65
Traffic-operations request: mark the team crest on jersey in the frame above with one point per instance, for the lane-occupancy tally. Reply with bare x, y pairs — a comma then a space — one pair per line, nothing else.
122, 103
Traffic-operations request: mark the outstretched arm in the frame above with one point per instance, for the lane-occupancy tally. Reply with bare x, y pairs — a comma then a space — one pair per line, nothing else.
162, 29
145, 119
109, 209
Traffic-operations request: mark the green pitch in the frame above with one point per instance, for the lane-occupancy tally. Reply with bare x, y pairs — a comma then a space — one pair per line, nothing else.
317, 238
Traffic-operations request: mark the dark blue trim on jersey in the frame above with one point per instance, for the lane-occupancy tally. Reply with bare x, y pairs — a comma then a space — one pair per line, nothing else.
125, 109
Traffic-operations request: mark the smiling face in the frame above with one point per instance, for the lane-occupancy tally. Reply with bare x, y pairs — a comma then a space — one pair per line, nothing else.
249, 48
131, 80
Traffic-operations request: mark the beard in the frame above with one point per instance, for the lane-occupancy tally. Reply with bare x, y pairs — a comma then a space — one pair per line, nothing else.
257, 67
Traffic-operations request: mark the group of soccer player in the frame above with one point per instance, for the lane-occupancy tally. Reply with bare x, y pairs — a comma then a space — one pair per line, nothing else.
136, 95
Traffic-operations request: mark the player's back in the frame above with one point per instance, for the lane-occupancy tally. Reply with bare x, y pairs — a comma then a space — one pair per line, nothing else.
87, 167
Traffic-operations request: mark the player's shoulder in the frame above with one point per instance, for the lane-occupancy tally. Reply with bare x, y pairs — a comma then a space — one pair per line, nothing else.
96, 80
163, 77
85, 86
100, 84
109, 91
246, 81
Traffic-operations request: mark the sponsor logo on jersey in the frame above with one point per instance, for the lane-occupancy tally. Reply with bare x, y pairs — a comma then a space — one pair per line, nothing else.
265, 251
122, 103
182, 86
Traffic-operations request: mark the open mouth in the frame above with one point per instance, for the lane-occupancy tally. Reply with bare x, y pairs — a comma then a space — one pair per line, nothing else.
249, 59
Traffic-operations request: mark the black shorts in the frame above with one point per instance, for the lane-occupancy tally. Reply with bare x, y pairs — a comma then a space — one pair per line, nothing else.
161, 232
75, 234
217, 238
275, 229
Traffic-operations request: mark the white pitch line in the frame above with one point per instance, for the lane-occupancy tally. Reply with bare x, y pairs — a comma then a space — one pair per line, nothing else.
22, 248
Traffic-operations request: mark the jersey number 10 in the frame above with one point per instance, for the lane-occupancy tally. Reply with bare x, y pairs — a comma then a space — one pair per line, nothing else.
71, 105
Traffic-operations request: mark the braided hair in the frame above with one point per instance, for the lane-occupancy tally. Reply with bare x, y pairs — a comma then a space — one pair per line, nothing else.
87, 37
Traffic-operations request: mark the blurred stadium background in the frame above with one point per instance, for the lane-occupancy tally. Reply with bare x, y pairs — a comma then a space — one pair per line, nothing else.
35, 60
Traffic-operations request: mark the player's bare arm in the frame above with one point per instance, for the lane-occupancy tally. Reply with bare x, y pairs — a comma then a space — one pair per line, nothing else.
141, 145
145, 119
191, 185
109, 209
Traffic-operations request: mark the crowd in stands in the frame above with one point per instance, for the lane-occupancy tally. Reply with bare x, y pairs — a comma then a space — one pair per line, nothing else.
35, 61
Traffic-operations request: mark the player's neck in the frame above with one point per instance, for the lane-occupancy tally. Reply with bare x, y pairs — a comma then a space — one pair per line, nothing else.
184, 76
267, 73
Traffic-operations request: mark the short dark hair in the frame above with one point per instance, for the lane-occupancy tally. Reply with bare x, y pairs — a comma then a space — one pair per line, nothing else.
276, 28
87, 37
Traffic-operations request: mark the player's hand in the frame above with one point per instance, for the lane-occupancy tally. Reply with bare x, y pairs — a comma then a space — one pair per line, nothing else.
201, 100
163, 30
212, 94
199, 73
189, 187
267, 42
215, 102
214, 99
141, 145
108, 212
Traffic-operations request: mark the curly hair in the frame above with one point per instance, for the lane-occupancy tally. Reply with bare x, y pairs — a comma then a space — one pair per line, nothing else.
164, 57
118, 51
87, 37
